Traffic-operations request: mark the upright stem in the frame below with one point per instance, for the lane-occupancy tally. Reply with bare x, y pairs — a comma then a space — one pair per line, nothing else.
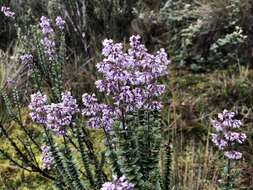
108, 139
123, 120
229, 173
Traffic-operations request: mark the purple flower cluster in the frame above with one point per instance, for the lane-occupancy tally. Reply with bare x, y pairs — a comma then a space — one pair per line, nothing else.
60, 115
234, 155
37, 107
49, 44
60, 22
56, 115
226, 135
130, 78
26, 59
101, 115
118, 184
7, 12
46, 158
45, 25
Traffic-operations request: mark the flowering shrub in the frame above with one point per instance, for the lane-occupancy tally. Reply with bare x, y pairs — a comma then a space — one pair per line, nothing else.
225, 138
226, 135
130, 118
130, 79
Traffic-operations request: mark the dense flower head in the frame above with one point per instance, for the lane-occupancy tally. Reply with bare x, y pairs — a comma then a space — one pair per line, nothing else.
37, 107
55, 115
118, 184
61, 114
235, 137
26, 58
46, 157
129, 78
59, 22
218, 141
45, 25
7, 11
57, 118
100, 115
69, 103
227, 135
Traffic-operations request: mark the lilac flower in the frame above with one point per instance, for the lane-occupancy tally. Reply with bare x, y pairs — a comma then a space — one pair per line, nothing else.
45, 25
101, 115
125, 97
155, 89
155, 105
60, 22
129, 78
118, 184
235, 136
26, 59
226, 115
139, 95
37, 108
217, 125
46, 158
226, 135
49, 46
135, 41
234, 155
90, 103
55, 116
69, 103
220, 143
61, 114
107, 47
126, 72
7, 12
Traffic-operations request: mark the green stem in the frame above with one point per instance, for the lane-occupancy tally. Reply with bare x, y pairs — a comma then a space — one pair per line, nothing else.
229, 173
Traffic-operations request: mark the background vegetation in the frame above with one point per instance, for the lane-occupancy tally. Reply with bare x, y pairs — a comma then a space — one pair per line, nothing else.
209, 43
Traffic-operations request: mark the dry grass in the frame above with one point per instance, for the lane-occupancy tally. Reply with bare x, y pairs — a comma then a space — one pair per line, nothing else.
193, 100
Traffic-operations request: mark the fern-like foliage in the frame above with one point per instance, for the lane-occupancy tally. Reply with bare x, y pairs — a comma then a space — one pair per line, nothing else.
99, 176
138, 149
127, 151
85, 158
167, 170
148, 142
